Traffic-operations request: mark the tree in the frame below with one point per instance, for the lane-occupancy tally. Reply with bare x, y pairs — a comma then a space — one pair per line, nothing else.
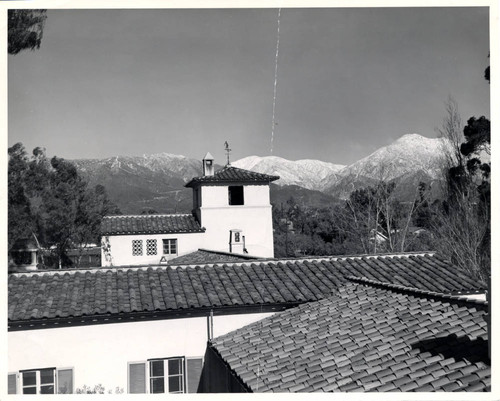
25, 30
462, 225
53, 203
20, 217
378, 221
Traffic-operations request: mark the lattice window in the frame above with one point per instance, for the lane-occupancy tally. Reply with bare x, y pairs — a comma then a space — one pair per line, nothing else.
137, 247
151, 247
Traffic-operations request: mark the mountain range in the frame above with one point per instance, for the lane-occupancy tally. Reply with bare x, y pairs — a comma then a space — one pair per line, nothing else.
156, 182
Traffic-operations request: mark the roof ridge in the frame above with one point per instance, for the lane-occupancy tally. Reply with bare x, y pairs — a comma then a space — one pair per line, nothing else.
243, 255
220, 263
147, 215
416, 291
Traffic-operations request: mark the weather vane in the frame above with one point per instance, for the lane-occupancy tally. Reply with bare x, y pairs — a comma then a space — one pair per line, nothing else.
226, 147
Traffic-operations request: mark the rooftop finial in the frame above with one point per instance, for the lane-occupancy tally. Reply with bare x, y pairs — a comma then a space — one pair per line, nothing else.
226, 147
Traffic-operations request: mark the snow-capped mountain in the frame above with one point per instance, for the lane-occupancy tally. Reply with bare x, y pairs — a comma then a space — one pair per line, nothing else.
310, 174
411, 157
157, 181
136, 183
173, 165
409, 153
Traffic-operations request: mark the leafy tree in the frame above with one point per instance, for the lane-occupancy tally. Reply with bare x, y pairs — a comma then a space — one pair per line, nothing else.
53, 203
462, 226
20, 217
25, 29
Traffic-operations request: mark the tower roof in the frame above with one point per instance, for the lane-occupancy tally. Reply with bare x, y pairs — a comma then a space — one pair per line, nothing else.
231, 174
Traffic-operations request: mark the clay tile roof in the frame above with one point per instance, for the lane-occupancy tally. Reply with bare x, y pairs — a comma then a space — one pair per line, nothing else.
150, 224
203, 256
231, 174
364, 338
152, 289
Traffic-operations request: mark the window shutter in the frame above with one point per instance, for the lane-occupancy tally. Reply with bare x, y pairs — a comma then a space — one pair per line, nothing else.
137, 378
194, 367
65, 381
12, 383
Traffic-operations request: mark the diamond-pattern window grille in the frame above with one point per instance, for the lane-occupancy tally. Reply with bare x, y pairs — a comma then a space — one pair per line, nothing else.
137, 247
151, 247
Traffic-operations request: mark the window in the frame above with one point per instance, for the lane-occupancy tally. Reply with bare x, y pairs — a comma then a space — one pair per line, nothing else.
42, 381
165, 375
151, 247
236, 236
236, 195
22, 257
137, 247
38, 381
170, 246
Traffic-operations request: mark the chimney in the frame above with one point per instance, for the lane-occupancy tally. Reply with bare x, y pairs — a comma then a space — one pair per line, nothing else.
208, 165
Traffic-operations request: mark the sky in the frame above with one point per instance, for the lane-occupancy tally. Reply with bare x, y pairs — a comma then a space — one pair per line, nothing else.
133, 82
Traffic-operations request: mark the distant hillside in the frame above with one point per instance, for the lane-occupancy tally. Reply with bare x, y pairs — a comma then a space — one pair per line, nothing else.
407, 161
156, 182
147, 182
303, 196
310, 174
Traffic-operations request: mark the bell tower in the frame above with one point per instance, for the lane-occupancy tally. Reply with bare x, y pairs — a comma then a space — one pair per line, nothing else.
234, 203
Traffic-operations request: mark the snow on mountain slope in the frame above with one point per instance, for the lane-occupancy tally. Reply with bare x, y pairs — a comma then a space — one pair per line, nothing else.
310, 174
169, 164
411, 152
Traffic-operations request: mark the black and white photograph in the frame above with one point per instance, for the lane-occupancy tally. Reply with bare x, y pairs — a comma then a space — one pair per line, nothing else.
254, 199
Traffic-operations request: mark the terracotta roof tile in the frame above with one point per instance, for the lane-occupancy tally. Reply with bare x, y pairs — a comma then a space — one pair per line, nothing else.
114, 291
150, 224
231, 174
395, 364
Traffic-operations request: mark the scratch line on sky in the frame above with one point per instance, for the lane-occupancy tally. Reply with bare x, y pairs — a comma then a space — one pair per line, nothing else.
275, 80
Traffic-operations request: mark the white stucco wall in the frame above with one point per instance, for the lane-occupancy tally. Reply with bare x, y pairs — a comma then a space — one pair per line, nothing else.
254, 218
254, 195
100, 353
121, 248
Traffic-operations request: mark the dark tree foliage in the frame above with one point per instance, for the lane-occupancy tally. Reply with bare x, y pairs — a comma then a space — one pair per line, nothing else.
463, 231
424, 210
20, 219
25, 29
52, 204
477, 134
348, 227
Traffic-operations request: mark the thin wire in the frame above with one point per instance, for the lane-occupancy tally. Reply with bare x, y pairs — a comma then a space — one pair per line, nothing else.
275, 80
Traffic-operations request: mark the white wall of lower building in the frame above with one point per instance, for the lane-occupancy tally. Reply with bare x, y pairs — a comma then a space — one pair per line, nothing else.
121, 248
99, 354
